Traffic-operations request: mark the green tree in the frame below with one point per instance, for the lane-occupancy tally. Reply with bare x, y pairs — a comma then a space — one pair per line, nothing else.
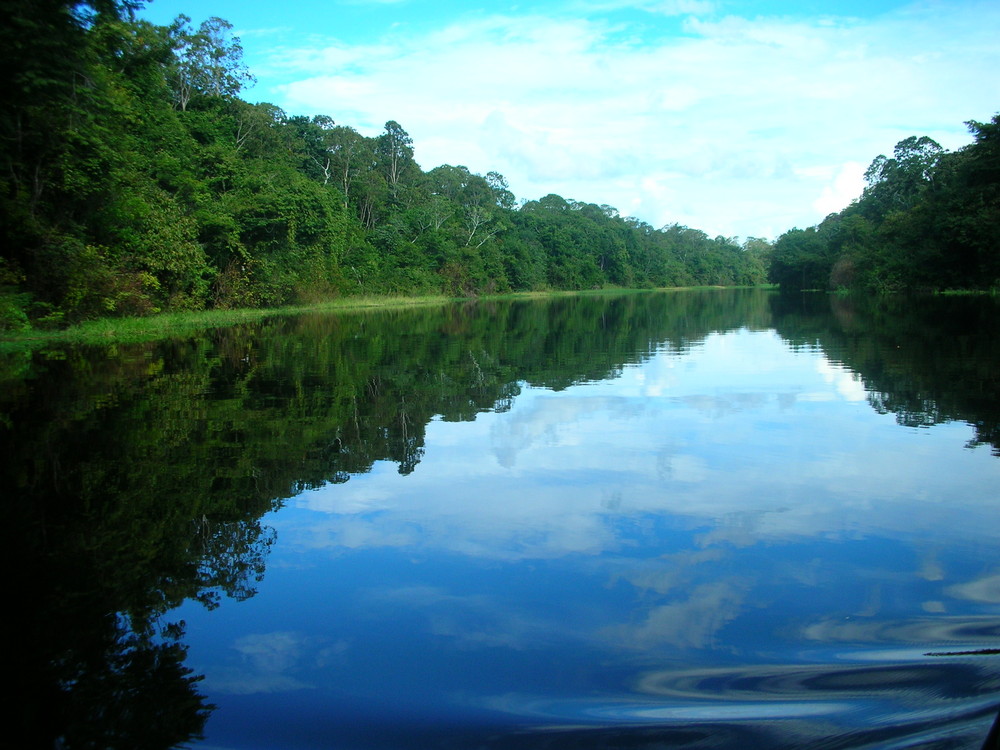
209, 61
394, 152
350, 155
801, 260
897, 183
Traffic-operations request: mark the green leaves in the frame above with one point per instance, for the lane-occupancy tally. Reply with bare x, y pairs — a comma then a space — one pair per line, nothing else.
929, 220
137, 181
209, 61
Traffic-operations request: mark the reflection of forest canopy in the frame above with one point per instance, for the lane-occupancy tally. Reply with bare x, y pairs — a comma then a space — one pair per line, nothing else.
142, 472
927, 360
135, 180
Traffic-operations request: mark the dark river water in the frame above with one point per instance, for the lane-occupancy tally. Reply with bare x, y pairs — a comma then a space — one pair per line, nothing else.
707, 519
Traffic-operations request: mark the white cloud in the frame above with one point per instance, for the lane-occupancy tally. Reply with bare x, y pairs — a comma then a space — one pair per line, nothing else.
690, 623
270, 652
846, 186
468, 621
848, 384
678, 436
741, 127
267, 662
982, 590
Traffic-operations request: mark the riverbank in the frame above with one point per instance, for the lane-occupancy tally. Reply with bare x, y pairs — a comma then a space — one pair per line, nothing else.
128, 329
135, 329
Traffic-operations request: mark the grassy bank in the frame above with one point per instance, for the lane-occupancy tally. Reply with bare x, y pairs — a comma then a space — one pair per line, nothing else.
126, 330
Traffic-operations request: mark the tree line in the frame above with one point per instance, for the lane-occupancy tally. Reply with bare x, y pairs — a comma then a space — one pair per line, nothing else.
136, 180
928, 220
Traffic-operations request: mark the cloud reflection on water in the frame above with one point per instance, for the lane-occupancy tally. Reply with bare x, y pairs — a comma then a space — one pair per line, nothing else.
701, 482
773, 445
653, 548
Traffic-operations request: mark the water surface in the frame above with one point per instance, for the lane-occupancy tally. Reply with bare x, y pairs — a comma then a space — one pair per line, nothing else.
705, 519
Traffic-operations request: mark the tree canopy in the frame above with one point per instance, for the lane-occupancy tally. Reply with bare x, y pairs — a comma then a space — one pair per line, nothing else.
928, 220
136, 180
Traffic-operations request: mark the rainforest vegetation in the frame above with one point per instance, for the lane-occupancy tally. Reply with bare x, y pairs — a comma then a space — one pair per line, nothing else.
928, 220
136, 180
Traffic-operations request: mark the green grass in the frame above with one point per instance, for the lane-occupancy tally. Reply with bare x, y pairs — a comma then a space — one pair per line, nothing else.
968, 292
126, 330
151, 328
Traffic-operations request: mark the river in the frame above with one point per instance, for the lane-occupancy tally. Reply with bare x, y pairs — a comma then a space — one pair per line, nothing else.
719, 518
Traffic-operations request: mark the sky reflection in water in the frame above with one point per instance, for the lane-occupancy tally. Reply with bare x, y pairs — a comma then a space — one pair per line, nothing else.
719, 534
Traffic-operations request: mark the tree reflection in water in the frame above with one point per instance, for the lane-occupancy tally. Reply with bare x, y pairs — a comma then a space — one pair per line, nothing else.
139, 476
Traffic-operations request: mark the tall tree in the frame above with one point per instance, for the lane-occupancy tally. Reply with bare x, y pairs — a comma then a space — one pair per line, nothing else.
209, 60
897, 183
394, 150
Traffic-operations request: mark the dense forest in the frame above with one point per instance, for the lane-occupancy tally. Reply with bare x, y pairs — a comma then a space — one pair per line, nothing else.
928, 220
136, 180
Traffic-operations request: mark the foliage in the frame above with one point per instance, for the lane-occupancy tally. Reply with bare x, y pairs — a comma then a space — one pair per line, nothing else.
209, 62
928, 360
137, 181
929, 220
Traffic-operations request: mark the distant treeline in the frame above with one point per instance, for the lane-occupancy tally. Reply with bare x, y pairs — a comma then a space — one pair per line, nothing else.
928, 220
136, 180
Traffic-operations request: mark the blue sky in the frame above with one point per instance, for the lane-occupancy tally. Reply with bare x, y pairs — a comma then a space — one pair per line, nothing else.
741, 118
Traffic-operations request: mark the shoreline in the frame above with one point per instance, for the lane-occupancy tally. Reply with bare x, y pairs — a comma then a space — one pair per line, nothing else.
163, 325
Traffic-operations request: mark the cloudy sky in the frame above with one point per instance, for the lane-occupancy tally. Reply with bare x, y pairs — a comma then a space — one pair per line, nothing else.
739, 117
